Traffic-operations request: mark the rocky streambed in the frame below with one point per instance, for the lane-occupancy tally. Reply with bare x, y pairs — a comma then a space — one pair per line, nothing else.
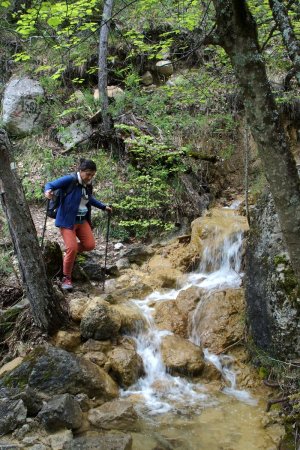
158, 361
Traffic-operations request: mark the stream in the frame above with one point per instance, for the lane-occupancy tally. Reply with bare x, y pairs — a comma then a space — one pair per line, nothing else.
188, 414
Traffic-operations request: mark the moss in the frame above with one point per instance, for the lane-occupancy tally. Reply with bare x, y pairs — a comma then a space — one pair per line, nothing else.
288, 283
80, 258
263, 372
18, 377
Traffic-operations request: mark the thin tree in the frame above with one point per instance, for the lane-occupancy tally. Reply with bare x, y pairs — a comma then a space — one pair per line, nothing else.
45, 303
292, 44
102, 71
237, 32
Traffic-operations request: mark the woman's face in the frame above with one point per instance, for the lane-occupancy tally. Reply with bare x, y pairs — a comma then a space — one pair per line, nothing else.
87, 175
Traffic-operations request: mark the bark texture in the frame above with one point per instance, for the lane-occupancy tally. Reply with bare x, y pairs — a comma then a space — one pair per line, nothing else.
103, 49
45, 303
292, 44
238, 35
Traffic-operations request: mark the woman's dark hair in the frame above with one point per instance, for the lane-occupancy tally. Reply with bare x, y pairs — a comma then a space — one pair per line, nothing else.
87, 164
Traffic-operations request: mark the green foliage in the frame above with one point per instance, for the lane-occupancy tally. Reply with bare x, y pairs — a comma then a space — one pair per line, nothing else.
37, 165
6, 266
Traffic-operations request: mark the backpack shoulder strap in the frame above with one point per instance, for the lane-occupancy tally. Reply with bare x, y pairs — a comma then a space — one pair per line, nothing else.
72, 184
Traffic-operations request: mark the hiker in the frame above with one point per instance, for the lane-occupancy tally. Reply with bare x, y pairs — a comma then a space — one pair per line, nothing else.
74, 214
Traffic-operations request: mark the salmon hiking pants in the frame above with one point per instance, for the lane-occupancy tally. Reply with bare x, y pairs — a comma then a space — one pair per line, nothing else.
84, 234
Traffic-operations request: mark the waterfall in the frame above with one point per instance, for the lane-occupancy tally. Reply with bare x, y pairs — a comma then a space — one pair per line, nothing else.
219, 269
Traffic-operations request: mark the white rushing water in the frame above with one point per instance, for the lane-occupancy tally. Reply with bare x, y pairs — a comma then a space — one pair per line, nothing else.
219, 269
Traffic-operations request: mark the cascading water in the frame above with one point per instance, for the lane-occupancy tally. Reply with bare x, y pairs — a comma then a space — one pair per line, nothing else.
219, 269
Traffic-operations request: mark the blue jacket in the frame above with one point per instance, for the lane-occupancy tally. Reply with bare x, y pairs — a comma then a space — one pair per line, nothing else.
67, 210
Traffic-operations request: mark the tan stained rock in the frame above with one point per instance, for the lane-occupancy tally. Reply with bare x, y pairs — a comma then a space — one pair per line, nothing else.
181, 356
219, 319
117, 414
68, 340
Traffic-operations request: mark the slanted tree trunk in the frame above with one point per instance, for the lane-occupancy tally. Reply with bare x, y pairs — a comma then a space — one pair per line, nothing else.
103, 50
238, 35
45, 303
290, 40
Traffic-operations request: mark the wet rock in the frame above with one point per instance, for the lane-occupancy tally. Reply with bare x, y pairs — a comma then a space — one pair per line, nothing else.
132, 319
173, 315
100, 322
22, 106
218, 322
168, 317
126, 365
118, 414
62, 411
12, 414
181, 356
108, 441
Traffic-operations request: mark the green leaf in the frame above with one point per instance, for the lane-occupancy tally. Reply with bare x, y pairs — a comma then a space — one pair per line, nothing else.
54, 21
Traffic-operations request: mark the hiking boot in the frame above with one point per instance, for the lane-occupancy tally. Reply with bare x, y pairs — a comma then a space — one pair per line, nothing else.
66, 284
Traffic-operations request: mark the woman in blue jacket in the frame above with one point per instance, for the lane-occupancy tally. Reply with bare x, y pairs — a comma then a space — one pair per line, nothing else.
74, 215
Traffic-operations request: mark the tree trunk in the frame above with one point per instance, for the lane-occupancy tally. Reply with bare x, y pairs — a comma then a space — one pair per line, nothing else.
103, 50
238, 36
45, 303
290, 40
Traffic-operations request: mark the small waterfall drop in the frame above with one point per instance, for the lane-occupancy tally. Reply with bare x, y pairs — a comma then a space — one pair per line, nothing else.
219, 269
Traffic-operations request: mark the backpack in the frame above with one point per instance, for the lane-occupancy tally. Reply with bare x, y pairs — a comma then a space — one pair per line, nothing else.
59, 195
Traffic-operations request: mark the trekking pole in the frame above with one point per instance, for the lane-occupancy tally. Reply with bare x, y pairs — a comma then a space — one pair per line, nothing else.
45, 223
106, 247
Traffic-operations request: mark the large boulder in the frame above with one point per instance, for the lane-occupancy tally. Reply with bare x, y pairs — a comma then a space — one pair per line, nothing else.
22, 106
54, 371
181, 356
218, 322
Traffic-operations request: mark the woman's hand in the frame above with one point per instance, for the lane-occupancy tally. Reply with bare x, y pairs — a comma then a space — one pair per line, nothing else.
49, 194
108, 209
